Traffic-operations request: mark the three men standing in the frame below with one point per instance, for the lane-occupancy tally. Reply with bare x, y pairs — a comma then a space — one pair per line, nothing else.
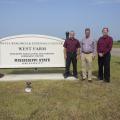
104, 47
88, 51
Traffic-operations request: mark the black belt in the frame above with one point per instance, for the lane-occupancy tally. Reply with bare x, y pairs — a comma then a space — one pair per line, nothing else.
86, 52
71, 52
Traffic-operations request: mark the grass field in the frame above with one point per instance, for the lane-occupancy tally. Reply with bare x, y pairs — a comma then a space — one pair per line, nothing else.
116, 44
63, 100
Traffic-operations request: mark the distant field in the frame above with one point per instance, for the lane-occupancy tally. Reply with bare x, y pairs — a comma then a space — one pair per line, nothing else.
116, 44
62, 100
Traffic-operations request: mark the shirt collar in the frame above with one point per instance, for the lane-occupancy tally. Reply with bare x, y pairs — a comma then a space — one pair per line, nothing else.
71, 38
105, 36
87, 38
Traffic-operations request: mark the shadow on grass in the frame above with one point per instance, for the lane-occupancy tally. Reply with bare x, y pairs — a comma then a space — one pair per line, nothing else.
33, 71
117, 63
39, 70
1, 75
94, 73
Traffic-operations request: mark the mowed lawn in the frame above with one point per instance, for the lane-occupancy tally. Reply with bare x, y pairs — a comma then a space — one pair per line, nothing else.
116, 44
63, 100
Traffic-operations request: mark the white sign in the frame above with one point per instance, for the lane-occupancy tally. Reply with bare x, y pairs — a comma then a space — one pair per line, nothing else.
27, 51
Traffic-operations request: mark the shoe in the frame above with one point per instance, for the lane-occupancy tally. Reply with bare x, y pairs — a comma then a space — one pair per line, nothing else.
76, 76
65, 76
1, 75
107, 81
90, 81
100, 79
83, 78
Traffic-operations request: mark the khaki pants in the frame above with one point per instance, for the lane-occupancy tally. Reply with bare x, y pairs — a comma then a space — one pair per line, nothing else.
87, 65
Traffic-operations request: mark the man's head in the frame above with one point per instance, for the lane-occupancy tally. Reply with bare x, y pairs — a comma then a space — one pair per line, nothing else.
105, 31
87, 32
72, 34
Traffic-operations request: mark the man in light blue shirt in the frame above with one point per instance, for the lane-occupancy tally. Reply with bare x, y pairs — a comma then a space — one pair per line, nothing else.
88, 51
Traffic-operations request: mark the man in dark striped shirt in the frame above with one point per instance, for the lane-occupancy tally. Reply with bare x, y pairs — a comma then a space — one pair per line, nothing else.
71, 54
104, 47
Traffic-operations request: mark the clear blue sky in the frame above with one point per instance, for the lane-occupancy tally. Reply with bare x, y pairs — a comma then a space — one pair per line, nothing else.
54, 17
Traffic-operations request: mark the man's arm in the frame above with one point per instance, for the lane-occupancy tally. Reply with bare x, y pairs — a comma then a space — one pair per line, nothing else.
109, 46
94, 49
65, 49
101, 54
97, 46
78, 53
81, 48
65, 53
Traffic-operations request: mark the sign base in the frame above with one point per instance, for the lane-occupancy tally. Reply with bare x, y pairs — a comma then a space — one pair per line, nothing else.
34, 77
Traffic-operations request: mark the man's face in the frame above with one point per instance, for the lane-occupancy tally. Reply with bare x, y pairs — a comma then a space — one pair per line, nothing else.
72, 34
87, 33
105, 32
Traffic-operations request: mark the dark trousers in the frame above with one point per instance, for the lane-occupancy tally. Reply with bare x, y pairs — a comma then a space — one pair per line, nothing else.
104, 67
71, 57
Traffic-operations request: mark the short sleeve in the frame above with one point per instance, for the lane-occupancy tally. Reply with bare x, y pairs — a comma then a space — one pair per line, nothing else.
65, 44
78, 44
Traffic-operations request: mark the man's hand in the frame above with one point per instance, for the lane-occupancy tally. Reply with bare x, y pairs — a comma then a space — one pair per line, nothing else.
78, 54
100, 54
65, 56
78, 57
81, 55
93, 57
